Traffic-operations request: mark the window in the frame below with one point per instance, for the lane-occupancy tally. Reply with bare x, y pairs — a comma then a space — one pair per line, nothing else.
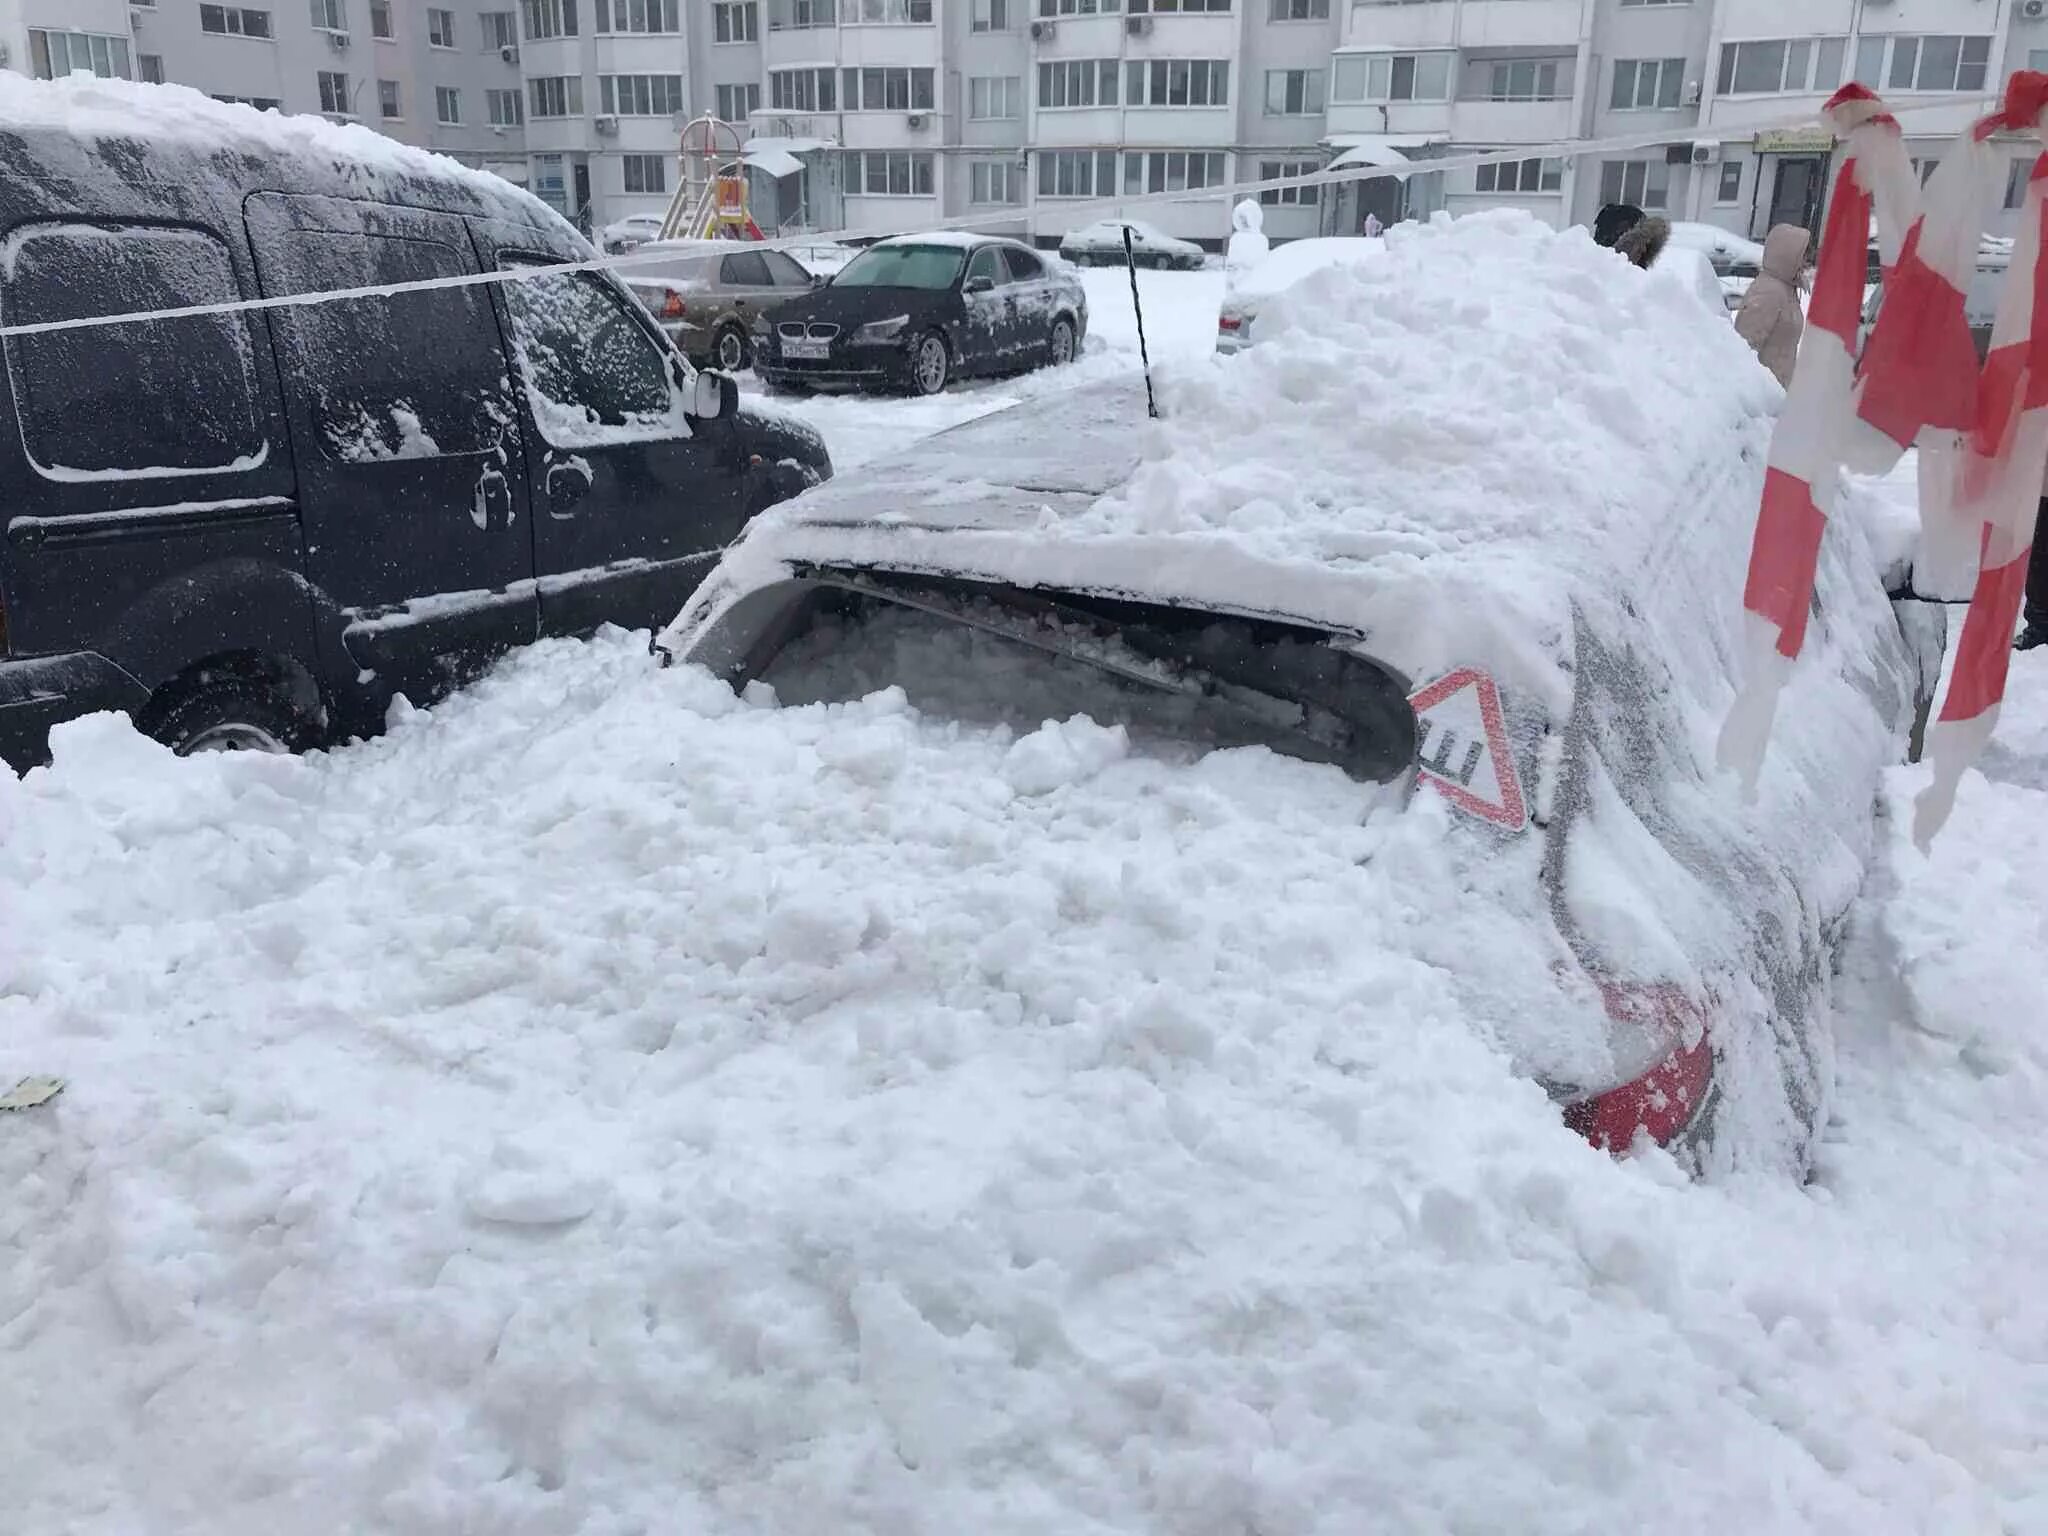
592, 374
804, 90
991, 16
548, 18
1076, 172
640, 95
891, 13
888, 173
990, 96
149, 67
1301, 10
737, 103
800, 13
1178, 83
499, 29
747, 269
987, 265
1933, 63
995, 182
388, 105
1024, 267
1288, 197
637, 16
228, 21
1170, 170
646, 173
440, 28
1520, 176
555, 96
547, 182
155, 397
1293, 92
1079, 7
1798, 64
260, 103
1729, 187
380, 18
886, 90
2016, 176
1647, 84
1646, 183
334, 93
1184, 7
504, 108
739, 22
1077, 83
330, 15
54, 55
785, 272
1524, 80
1392, 77
447, 106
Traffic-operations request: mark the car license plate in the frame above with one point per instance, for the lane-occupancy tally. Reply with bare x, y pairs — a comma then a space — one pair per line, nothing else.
807, 348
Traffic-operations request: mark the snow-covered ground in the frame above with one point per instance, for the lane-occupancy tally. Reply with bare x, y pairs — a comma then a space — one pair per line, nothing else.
606, 1105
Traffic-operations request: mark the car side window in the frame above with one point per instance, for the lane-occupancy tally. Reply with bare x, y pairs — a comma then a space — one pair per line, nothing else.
399, 376
785, 271
984, 264
1024, 267
592, 374
140, 399
745, 270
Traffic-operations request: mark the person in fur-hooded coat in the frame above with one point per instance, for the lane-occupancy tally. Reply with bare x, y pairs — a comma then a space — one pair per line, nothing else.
1645, 241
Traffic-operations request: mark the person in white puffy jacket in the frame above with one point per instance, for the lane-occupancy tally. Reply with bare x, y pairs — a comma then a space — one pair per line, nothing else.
1248, 243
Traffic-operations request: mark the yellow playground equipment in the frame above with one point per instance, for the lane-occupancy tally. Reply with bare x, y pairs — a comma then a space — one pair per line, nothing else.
711, 193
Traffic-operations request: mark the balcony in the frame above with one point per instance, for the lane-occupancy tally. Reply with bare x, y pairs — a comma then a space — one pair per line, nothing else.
1392, 119
1433, 24
1511, 122
1812, 18
1519, 23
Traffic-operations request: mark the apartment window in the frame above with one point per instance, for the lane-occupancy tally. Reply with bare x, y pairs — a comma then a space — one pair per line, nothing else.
440, 29
1798, 64
1646, 183
640, 95
804, 90
1524, 80
1648, 84
1076, 173
1392, 77
1079, 7
260, 103
1728, 188
737, 103
1183, 7
330, 15
888, 173
991, 16
1077, 83
53, 55
998, 182
334, 92
499, 28
901, 13
736, 23
1178, 83
380, 18
886, 90
1175, 170
1288, 197
646, 173
548, 18
1933, 63
234, 21
555, 96
389, 107
800, 13
1301, 10
149, 67
547, 182
504, 108
648, 16
1520, 176
992, 96
1293, 92
448, 106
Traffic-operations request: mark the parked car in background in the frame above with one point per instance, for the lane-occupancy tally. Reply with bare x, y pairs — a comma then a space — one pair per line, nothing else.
709, 296
1277, 271
1102, 244
256, 529
919, 311
821, 258
634, 230
1980, 299
1731, 254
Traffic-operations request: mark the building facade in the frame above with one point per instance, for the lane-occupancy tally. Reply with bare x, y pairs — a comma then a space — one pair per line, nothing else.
875, 115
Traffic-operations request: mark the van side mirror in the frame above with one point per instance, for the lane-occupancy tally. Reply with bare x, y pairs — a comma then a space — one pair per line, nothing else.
717, 395
981, 282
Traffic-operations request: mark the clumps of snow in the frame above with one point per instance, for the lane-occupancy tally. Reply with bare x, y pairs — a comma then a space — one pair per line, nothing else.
362, 439
1059, 753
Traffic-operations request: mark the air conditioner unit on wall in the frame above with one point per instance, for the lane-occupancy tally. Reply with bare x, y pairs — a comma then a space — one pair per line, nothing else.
509, 54
1044, 31
1705, 154
338, 41
607, 126
915, 120
2034, 9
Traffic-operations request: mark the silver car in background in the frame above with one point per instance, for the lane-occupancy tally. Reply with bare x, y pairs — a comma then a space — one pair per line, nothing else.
709, 293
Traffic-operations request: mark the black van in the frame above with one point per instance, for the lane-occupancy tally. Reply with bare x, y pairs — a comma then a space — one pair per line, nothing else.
253, 529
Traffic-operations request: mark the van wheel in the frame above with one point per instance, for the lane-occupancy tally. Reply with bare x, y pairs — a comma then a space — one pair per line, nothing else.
227, 712
729, 350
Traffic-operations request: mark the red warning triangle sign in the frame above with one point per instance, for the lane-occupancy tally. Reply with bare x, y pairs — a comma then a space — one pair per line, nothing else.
1462, 747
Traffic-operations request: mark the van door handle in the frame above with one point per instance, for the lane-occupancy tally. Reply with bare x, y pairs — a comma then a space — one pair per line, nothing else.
493, 490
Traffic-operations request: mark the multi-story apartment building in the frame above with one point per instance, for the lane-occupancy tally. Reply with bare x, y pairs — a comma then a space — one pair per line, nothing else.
886, 114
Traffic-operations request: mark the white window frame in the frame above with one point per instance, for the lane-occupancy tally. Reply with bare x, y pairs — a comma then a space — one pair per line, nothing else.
495, 103
1147, 79
1066, 166
1646, 183
994, 15
1173, 170
889, 13
499, 29
1662, 81
1500, 80
1376, 75
736, 21
640, 95
821, 80
565, 91
629, 163
1062, 82
1286, 11
329, 15
1806, 66
637, 18
920, 88
1052, 8
540, 20
1289, 197
440, 27
390, 101
1302, 92
333, 86
920, 172
749, 97
1724, 197
108, 47
995, 98
1533, 177
380, 21
448, 106
987, 178
1911, 48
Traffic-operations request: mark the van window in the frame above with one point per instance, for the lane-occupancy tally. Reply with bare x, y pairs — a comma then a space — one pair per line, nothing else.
746, 270
140, 399
401, 376
592, 374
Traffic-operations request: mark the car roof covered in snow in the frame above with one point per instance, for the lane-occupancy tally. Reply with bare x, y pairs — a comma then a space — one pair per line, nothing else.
1285, 265
1117, 226
958, 239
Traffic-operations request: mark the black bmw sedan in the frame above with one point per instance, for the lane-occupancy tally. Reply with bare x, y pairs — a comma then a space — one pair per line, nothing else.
919, 311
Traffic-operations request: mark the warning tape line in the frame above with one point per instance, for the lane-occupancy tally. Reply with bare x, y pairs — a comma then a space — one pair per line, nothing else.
1078, 208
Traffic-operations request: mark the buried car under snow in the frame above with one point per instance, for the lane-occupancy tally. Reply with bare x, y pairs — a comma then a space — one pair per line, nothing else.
1380, 543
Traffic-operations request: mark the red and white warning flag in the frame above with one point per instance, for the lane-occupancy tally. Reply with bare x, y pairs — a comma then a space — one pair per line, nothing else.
1803, 469
1999, 480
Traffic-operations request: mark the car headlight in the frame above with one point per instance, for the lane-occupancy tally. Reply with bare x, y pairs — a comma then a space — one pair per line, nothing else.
881, 330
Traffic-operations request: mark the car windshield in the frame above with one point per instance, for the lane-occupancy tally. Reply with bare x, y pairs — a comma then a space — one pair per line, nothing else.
902, 266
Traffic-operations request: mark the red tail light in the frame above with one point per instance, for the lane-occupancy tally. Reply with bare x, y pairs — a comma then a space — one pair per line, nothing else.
1228, 322
1665, 1100
672, 306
